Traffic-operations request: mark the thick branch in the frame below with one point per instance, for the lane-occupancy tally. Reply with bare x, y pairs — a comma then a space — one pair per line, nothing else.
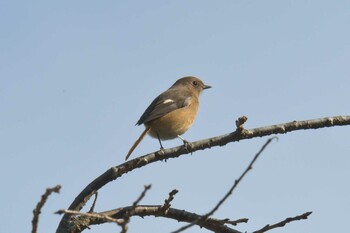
241, 134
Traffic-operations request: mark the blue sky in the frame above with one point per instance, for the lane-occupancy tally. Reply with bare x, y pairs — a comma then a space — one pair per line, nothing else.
76, 76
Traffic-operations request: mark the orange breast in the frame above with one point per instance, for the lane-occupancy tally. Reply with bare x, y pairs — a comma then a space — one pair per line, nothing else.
174, 123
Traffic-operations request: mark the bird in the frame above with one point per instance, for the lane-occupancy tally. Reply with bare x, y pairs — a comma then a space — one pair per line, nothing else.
172, 112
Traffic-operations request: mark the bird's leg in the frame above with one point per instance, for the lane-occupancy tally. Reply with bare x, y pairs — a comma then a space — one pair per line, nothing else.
160, 142
187, 144
161, 146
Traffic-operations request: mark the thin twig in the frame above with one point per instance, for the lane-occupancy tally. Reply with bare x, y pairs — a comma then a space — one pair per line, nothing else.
167, 201
93, 204
204, 217
142, 195
233, 222
284, 222
40, 205
131, 211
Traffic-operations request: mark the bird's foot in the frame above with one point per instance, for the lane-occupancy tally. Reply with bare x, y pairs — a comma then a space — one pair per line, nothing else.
188, 145
161, 150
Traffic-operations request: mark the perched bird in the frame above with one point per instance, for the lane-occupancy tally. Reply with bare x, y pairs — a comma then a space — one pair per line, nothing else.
173, 112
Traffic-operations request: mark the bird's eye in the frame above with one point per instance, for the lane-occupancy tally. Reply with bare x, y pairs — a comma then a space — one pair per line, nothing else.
195, 83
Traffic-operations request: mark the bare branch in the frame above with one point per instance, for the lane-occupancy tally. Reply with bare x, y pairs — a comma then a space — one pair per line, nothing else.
250, 166
212, 224
284, 222
40, 205
117, 171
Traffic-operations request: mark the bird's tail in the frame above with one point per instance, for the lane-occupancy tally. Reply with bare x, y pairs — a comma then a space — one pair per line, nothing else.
137, 142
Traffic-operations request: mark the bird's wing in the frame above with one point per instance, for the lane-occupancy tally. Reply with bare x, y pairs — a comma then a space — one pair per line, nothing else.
166, 102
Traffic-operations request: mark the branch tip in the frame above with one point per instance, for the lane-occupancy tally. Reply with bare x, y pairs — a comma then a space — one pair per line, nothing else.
40, 205
284, 222
239, 123
166, 206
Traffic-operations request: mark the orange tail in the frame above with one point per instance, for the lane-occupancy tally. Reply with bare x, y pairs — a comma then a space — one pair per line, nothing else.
137, 142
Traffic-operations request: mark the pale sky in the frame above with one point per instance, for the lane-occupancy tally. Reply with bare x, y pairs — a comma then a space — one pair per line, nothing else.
75, 76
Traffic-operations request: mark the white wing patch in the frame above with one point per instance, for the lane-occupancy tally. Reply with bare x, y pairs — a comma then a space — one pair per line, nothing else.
168, 101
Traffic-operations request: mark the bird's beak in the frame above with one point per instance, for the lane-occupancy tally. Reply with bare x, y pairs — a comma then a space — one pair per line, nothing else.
206, 87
